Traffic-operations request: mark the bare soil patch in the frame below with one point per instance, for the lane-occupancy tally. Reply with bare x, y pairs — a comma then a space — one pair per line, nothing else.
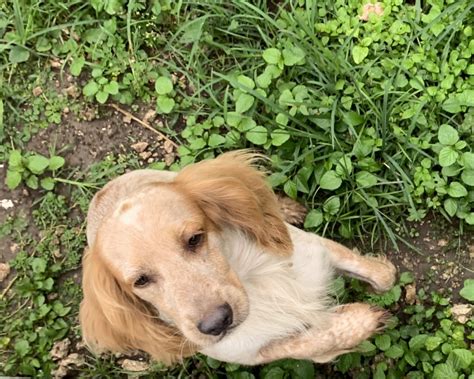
445, 258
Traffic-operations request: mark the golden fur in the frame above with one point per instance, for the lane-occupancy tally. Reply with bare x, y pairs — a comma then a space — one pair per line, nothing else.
229, 191
140, 225
114, 319
232, 192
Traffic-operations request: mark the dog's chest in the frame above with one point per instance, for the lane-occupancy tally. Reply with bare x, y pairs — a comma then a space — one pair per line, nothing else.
285, 295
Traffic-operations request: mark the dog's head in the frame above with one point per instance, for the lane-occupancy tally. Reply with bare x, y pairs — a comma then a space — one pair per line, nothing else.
156, 278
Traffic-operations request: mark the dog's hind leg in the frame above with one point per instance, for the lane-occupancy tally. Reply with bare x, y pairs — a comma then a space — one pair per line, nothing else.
350, 325
378, 271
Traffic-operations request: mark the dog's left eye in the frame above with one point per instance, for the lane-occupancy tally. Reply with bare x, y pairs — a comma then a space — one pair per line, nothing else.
195, 240
142, 281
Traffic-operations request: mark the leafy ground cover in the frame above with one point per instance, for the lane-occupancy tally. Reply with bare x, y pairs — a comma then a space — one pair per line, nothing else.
368, 116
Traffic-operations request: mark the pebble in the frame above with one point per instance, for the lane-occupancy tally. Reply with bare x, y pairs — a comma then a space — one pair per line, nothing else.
139, 147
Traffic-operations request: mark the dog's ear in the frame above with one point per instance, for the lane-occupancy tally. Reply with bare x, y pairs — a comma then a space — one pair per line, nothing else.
231, 191
112, 319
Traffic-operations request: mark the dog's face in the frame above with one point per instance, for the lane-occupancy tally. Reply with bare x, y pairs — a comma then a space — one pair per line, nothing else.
156, 276
164, 249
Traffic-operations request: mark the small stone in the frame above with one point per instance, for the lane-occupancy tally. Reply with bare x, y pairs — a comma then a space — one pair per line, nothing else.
442, 243
139, 147
80, 345
462, 312
111, 132
60, 372
168, 146
6, 203
410, 294
169, 159
55, 64
471, 251
149, 115
127, 119
145, 155
73, 360
135, 366
37, 91
72, 91
60, 349
4, 271
66, 110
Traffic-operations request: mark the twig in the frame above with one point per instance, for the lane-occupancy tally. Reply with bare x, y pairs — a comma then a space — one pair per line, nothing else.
8, 287
9, 316
142, 123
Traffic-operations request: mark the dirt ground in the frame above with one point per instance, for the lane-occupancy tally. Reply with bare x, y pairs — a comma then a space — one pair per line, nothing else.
443, 258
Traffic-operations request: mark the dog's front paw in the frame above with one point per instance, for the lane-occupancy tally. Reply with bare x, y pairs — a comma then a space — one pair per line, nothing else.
363, 320
384, 275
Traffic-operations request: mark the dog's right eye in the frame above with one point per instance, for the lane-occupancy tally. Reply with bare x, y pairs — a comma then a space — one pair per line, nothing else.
195, 240
142, 281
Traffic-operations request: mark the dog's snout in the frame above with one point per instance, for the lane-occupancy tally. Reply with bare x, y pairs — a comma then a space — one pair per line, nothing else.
217, 321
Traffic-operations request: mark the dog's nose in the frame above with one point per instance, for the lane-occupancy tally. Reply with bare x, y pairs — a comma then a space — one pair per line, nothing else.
217, 321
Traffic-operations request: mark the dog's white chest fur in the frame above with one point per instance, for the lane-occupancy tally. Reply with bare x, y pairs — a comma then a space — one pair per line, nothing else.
286, 295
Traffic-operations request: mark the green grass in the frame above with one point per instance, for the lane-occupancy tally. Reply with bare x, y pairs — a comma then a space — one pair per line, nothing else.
369, 123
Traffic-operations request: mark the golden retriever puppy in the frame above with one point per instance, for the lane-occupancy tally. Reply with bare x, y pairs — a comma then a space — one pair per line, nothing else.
202, 261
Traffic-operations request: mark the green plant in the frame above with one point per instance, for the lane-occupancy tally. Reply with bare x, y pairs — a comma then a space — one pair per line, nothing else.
347, 124
467, 291
40, 285
423, 341
30, 167
32, 337
100, 86
26, 338
164, 89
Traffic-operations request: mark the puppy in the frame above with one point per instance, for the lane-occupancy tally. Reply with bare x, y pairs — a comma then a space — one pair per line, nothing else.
202, 261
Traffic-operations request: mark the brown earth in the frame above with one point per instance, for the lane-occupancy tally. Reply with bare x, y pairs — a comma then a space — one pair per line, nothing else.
443, 258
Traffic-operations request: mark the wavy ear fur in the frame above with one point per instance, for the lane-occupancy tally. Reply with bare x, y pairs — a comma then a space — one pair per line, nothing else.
230, 191
114, 319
